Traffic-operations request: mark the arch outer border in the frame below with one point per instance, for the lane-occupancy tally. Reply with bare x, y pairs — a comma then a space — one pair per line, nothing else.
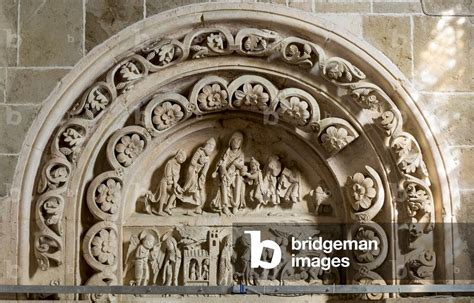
104, 56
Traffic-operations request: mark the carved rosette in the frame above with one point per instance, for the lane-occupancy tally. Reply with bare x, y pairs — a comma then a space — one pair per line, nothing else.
100, 244
365, 262
369, 259
417, 207
210, 94
335, 134
165, 111
367, 278
253, 93
367, 195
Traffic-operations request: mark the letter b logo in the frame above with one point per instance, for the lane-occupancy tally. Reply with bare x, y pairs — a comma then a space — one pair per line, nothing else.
256, 250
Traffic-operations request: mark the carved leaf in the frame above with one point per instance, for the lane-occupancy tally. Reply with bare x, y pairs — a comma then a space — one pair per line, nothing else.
166, 53
66, 151
251, 43
89, 114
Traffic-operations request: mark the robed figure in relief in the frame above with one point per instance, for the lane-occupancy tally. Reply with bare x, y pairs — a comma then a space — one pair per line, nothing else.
194, 188
231, 170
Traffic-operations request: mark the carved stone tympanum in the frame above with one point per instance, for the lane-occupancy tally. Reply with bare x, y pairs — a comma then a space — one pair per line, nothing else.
161, 144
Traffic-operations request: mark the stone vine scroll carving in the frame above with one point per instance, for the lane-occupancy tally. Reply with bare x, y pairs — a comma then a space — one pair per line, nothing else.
417, 208
204, 42
367, 196
100, 246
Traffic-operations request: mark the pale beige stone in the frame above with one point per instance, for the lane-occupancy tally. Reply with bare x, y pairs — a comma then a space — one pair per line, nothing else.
464, 166
322, 6
448, 7
7, 170
107, 17
283, 2
134, 117
15, 121
350, 23
3, 82
51, 32
305, 5
157, 6
8, 32
40, 84
399, 7
391, 35
465, 211
463, 234
451, 116
442, 58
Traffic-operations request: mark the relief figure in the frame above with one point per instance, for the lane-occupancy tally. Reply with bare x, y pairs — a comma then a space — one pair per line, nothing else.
205, 270
254, 178
289, 184
270, 180
172, 261
194, 188
146, 250
168, 188
230, 170
225, 265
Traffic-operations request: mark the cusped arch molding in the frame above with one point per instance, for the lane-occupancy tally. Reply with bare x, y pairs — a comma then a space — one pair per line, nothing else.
218, 114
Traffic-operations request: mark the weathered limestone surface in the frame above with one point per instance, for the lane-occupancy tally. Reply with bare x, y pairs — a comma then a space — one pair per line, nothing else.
40, 84
157, 6
442, 53
14, 123
53, 36
397, 7
322, 6
3, 82
7, 170
8, 32
393, 37
306, 5
350, 23
452, 116
464, 161
450, 7
107, 17
51, 32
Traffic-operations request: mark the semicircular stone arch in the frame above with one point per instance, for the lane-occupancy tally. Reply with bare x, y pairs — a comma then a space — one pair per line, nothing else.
189, 122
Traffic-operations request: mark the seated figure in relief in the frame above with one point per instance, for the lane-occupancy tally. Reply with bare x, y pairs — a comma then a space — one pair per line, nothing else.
230, 170
168, 189
289, 184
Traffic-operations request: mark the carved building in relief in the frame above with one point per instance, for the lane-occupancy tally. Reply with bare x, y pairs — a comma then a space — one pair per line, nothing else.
185, 132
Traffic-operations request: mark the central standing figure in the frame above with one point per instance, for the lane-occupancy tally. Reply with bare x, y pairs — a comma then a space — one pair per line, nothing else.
231, 169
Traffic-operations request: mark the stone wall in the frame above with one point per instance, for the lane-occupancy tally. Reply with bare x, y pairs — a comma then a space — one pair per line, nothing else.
40, 41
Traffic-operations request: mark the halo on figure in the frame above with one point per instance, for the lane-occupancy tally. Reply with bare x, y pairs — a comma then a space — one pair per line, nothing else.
149, 232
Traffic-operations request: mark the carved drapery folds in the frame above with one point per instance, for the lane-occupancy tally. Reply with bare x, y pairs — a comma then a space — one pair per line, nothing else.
225, 172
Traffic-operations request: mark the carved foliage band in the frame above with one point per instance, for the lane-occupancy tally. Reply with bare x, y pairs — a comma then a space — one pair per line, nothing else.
294, 106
